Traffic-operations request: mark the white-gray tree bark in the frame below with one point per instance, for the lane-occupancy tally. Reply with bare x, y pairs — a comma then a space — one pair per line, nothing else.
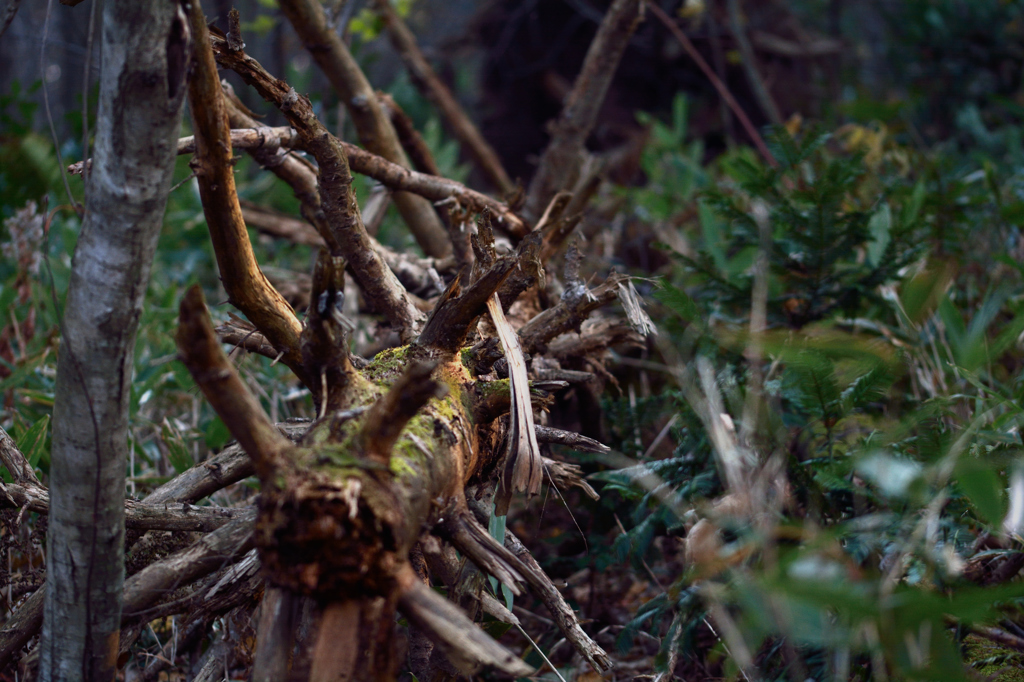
146, 51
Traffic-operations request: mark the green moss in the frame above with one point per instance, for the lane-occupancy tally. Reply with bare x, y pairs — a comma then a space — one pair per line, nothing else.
408, 458
400, 466
991, 659
467, 358
342, 456
337, 453
502, 387
387, 365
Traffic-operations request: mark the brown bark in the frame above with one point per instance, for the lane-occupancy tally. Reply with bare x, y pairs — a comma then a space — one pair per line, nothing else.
224, 545
428, 83
325, 338
378, 166
331, 54
202, 480
201, 352
331, 525
560, 164
246, 285
22, 626
336, 196
449, 627
411, 140
567, 315
279, 619
546, 434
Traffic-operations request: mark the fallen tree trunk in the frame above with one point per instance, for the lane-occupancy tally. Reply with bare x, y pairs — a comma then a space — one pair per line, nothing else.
362, 510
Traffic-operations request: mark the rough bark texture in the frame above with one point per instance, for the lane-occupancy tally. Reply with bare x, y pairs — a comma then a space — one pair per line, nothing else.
142, 87
374, 129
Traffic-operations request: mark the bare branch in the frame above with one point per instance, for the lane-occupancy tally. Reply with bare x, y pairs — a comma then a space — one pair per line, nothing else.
723, 91
546, 434
266, 145
201, 352
471, 539
325, 338
560, 164
213, 551
22, 626
569, 314
433, 89
220, 471
564, 475
309, 20
247, 287
336, 196
757, 84
138, 515
412, 142
542, 587
251, 138
463, 642
457, 310
566, 619
15, 461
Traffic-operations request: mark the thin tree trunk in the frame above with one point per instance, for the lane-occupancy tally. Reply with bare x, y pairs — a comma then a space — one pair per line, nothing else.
142, 88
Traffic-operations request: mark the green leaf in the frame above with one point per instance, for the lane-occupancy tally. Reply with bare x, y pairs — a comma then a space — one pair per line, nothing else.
920, 295
33, 442
177, 449
679, 302
217, 434
713, 229
982, 485
496, 527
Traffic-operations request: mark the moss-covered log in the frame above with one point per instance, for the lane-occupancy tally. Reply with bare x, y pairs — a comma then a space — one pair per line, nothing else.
380, 477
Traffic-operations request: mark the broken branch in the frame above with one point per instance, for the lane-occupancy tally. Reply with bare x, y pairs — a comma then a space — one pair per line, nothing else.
375, 131
247, 287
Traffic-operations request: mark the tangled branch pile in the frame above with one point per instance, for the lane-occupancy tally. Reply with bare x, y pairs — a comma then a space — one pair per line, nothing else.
413, 452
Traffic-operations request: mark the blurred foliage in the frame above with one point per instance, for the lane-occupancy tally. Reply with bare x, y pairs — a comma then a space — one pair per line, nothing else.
889, 387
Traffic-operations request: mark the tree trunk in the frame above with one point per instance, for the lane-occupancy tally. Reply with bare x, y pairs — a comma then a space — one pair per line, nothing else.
146, 47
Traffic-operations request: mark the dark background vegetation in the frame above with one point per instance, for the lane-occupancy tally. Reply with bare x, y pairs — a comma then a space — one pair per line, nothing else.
890, 375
